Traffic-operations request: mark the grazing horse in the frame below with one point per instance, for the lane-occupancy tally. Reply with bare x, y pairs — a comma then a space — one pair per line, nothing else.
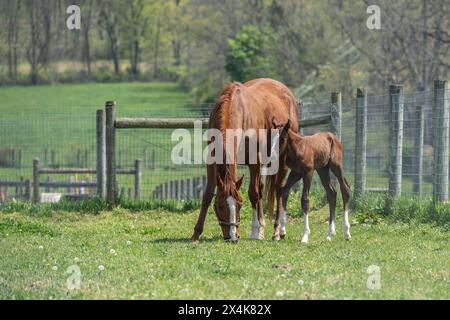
251, 105
321, 152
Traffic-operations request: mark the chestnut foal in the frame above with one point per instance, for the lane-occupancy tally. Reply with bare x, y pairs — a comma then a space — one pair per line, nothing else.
321, 152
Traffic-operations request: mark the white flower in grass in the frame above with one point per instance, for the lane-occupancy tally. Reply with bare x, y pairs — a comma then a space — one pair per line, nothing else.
129, 243
41, 248
113, 252
279, 293
301, 282
55, 268
101, 268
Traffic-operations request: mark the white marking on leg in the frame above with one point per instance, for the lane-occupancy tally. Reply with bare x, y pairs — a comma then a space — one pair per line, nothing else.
347, 235
232, 205
331, 230
305, 229
283, 222
255, 225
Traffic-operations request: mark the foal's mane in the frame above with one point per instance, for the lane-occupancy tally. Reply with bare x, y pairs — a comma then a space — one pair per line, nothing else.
220, 119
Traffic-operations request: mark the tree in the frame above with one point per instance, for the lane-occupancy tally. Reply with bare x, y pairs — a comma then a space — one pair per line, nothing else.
247, 55
109, 14
135, 24
39, 15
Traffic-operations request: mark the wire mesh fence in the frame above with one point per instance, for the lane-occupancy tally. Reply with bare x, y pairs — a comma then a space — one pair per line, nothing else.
68, 140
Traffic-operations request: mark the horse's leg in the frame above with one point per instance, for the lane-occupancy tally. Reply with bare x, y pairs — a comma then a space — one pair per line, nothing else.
282, 196
262, 223
206, 201
345, 192
307, 180
253, 195
324, 175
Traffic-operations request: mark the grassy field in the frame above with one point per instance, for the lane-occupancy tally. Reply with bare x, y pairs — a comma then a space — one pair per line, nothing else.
149, 255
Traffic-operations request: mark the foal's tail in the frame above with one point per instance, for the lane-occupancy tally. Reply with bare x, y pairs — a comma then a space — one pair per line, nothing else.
270, 193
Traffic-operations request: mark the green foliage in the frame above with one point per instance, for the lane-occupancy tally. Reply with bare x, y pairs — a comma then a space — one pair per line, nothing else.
247, 56
375, 207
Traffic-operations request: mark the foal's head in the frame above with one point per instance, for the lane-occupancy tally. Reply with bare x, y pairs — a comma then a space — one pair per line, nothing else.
227, 206
283, 130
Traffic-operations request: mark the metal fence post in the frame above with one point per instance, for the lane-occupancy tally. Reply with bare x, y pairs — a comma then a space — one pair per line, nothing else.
36, 194
101, 154
360, 141
336, 113
418, 150
396, 139
110, 137
441, 114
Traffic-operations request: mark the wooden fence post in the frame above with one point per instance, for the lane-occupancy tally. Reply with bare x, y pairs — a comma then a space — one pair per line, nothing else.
53, 158
418, 150
360, 141
86, 158
153, 160
110, 138
441, 106
145, 158
46, 157
396, 139
166, 190
137, 179
36, 195
172, 189
336, 113
28, 190
101, 154
19, 163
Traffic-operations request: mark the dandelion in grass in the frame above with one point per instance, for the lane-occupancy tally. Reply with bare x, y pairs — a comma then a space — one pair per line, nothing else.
55, 268
129, 243
279, 293
101, 268
113, 252
301, 282
41, 248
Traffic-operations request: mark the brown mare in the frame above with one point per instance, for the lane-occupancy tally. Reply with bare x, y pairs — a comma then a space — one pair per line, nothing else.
251, 105
321, 152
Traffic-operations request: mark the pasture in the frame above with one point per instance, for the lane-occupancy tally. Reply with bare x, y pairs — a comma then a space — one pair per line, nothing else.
148, 254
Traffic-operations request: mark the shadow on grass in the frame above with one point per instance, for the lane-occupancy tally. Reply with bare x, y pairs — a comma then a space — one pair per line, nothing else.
186, 240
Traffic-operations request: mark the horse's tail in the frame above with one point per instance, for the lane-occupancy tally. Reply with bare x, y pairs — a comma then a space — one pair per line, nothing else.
270, 193
346, 183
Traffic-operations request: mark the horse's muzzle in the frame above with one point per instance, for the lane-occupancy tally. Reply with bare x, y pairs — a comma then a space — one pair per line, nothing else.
229, 239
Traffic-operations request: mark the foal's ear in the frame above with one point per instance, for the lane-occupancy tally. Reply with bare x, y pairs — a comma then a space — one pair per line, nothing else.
287, 126
239, 182
275, 123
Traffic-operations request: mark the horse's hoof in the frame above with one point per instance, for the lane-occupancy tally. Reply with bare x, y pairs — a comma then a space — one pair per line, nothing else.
348, 238
282, 236
328, 238
304, 240
276, 238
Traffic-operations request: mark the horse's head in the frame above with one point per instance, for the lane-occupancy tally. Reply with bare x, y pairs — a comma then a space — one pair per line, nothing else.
283, 130
227, 206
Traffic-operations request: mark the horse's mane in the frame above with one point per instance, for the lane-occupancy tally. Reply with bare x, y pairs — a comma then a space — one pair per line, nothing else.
220, 119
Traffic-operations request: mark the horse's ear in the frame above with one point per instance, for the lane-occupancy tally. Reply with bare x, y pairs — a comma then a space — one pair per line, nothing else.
239, 183
220, 182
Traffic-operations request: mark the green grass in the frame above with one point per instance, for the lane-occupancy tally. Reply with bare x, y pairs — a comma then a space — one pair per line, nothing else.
154, 258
